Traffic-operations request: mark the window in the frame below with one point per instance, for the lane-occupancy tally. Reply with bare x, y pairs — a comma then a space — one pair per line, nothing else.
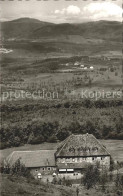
80, 149
94, 158
88, 149
67, 159
71, 149
36, 170
49, 168
43, 168
73, 160
61, 160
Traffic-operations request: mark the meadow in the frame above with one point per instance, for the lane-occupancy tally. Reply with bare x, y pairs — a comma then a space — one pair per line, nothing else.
56, 73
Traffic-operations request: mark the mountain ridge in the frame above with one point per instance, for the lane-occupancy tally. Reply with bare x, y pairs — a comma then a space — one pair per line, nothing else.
36, 29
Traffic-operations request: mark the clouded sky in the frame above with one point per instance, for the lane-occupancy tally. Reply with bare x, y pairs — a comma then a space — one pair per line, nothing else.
62, 11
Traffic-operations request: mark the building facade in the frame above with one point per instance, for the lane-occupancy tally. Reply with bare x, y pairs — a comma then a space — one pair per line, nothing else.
77, 151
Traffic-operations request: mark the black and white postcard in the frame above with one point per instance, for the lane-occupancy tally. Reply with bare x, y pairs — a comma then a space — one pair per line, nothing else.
61, 130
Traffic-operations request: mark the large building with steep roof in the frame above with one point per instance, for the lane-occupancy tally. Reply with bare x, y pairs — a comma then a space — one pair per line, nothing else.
77, 151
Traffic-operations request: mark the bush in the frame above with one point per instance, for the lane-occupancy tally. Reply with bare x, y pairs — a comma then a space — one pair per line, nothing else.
53, 139
103, 178
119, 181
21, 190
35, 139
67, 105
5, 168
67, 183
17, 168
91, 176
54, 181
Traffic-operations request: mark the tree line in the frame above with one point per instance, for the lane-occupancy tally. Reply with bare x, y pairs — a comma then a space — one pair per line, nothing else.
35, 123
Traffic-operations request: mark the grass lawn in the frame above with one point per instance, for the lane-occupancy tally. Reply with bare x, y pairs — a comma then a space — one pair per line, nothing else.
17, 186
115, 147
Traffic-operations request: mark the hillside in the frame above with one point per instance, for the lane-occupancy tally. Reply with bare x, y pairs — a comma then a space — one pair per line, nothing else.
17, 186
11, 186
21, 27
35, 29
102, 30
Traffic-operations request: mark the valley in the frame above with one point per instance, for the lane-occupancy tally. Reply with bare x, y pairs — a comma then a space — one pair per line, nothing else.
64, 60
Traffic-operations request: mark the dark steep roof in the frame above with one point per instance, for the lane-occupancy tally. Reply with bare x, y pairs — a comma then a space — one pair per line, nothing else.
81, 145
37, 158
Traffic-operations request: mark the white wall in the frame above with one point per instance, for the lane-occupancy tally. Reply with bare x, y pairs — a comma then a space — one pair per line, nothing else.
42, 170
102, 160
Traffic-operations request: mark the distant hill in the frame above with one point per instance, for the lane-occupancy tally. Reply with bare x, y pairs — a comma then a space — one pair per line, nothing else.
25, 20
20, 28
34, 29
102, 30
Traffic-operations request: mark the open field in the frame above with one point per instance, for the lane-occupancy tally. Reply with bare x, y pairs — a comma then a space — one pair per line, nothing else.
115, 147
41, 60
53, 74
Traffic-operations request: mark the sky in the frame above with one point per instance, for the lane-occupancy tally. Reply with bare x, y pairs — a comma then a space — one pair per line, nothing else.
62, 11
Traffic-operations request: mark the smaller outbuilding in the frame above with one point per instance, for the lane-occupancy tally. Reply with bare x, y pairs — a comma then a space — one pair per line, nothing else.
39, 161
76, 63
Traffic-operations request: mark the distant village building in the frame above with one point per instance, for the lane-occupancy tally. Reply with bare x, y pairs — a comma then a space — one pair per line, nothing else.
82, 66
5, 51
77, 63
69, 64
72, 156
91, 67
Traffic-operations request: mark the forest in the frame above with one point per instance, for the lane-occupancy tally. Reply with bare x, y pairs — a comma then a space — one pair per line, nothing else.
35, 122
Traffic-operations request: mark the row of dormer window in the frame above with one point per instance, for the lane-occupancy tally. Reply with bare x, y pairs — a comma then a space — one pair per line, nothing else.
83, 149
